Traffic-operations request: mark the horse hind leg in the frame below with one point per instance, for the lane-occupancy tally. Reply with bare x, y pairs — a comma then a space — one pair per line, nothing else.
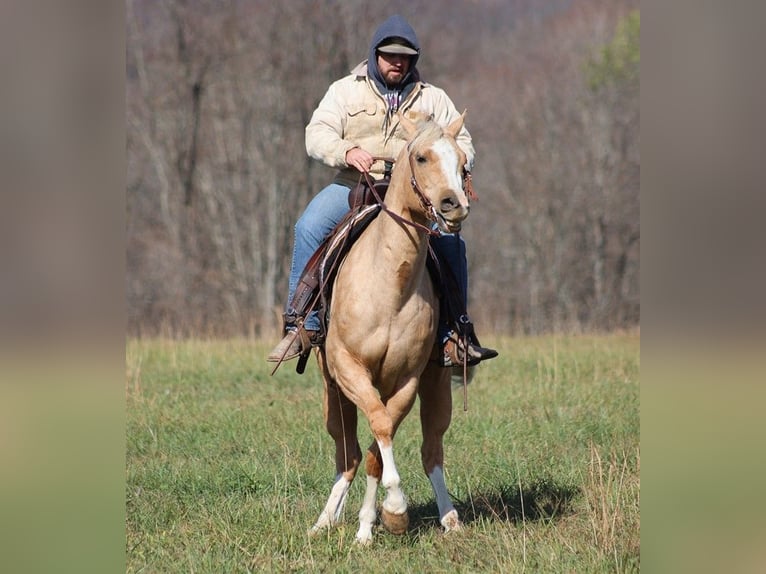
341, 423
435, 417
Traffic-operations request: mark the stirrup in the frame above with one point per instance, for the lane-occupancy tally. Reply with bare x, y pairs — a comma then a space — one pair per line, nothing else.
454, 352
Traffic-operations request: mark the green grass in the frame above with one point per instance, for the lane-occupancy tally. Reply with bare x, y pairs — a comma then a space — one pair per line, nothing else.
227, 467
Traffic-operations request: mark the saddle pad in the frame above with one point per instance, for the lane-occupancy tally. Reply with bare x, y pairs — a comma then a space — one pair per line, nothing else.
340, 241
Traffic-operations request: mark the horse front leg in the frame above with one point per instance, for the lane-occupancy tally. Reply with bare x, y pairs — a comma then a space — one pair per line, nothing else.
341, 423
381, 467
384, 419
435, 417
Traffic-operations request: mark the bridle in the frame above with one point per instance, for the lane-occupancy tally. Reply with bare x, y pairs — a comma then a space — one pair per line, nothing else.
425, 203
423, 200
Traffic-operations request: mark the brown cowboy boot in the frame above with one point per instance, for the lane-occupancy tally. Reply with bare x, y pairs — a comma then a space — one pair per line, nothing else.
454, 351
292, 345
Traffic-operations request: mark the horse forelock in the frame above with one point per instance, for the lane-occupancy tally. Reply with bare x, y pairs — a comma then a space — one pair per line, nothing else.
428, 132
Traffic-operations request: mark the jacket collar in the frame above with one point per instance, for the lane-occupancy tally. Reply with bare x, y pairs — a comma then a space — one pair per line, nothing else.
360, 69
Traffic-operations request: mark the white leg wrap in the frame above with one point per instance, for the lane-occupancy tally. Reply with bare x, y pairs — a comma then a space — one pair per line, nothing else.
443, 500
447, 513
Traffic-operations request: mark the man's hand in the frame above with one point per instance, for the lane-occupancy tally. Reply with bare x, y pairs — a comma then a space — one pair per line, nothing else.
360, 159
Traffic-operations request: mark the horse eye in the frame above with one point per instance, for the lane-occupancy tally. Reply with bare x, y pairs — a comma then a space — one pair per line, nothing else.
421, 159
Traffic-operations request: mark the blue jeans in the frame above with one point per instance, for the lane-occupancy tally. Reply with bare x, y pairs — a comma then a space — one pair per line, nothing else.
450, 252
320, 217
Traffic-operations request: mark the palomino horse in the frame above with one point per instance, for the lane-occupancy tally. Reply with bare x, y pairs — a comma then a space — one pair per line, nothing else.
383, 321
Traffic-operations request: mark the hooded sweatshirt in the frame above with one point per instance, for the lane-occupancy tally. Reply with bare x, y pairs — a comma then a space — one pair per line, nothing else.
394, 27
356, 112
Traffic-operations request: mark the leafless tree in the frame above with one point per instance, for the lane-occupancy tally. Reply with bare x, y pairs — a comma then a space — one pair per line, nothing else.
219, 93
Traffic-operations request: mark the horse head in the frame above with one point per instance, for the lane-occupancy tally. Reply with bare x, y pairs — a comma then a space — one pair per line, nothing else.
437, 165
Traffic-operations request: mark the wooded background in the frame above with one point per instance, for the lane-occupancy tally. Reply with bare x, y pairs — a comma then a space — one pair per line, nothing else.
218, 94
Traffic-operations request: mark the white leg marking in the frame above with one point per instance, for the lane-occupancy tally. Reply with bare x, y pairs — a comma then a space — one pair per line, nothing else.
367, 514
447, 512
394, 501
335, 503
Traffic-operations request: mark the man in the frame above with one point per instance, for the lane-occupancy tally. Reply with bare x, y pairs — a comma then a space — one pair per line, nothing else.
355, 122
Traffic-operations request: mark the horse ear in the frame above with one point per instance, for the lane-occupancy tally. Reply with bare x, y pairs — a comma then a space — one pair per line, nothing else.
454, 128
409, 126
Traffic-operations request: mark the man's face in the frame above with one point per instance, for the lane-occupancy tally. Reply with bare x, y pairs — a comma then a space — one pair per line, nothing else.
393, 67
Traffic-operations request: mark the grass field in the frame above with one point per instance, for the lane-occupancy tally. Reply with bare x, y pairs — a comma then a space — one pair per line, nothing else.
227, 467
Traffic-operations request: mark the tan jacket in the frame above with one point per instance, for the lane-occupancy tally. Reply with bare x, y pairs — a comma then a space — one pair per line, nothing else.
353, 114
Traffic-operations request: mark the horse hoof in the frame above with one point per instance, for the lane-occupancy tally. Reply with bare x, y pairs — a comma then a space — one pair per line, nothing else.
365, 540
395, 523
451, 522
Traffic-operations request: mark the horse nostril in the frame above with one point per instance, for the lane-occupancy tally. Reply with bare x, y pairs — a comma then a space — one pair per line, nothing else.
448, 205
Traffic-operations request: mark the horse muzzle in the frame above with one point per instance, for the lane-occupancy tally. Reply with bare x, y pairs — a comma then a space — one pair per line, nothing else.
453, 221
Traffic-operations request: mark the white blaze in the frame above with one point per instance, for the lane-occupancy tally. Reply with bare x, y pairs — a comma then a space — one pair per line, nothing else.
448, 157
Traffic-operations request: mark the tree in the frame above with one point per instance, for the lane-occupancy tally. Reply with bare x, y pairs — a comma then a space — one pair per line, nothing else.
218, 95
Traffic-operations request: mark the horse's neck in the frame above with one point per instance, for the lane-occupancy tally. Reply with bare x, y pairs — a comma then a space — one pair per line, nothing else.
401, 197
400, 249
396, 239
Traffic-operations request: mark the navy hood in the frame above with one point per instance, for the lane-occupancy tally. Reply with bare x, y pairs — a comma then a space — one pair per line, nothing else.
395, 26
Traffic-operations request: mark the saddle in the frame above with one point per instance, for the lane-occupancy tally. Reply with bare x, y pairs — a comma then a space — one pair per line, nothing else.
314, 289
362, 194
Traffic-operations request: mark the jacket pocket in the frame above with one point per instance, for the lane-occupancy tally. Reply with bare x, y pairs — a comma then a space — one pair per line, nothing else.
355, 110
362, 123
